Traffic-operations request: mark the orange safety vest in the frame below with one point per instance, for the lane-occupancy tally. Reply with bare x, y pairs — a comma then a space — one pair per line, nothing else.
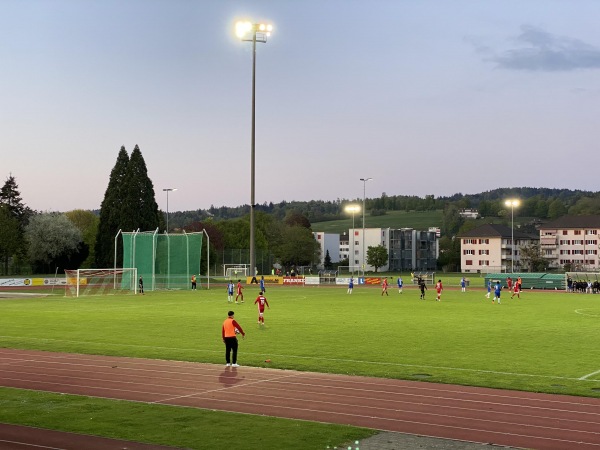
228, 328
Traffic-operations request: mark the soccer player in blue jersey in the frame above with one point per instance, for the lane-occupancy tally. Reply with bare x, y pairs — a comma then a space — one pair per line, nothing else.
497, 290
400, 285
262, 284
230, 292
350, 285
489, 289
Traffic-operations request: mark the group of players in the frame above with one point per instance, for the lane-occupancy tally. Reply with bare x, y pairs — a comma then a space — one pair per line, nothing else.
515, 288
261, 300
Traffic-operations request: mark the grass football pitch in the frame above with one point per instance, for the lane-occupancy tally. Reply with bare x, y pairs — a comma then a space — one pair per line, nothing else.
544, 342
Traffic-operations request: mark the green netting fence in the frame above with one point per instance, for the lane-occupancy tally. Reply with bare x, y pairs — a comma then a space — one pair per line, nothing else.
531, 280
164, 261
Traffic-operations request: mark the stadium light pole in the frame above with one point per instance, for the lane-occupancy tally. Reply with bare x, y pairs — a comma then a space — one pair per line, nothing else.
253, 32
364, 180
167, 190
512, 204
352, 209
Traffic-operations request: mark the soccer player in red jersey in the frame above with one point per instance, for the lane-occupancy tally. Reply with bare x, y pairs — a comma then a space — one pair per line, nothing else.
509, 283
516, 291
240, 292
261, 301
384, 287
439, 288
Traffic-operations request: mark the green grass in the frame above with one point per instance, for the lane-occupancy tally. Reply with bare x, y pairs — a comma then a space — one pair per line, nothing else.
158, 424
544, 342
420, 220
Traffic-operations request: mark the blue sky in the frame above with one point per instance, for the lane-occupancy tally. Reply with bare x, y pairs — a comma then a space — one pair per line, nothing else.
425, 97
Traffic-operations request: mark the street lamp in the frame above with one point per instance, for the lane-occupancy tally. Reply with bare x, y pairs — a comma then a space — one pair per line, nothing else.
512, 204
167, 190
257, 32
364, 180
352, 209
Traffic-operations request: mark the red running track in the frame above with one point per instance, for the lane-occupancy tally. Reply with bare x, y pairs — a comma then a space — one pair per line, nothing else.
501, 417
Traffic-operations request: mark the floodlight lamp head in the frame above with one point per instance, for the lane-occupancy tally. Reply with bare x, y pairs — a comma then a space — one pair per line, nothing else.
242, 28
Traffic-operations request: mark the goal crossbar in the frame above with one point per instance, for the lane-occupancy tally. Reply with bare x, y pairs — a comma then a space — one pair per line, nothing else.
100, 282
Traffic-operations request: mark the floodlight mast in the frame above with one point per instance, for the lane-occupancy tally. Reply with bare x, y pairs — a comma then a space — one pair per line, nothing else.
254, 33
167, 190
352, 209
364, 180
512, 203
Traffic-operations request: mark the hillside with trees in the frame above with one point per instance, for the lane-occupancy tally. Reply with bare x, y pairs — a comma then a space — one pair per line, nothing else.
32, 242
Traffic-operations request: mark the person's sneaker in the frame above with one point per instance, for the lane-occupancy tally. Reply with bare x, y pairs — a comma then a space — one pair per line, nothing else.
227, 365
235, 365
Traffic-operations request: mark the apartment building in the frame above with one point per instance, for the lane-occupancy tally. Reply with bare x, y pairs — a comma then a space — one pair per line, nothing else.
571, 242
491, 248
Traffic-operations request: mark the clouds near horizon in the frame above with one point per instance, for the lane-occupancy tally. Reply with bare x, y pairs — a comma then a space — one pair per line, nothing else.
539, 50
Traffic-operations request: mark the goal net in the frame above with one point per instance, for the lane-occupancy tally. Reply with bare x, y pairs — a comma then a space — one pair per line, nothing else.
82, 282
235, 270
351, 270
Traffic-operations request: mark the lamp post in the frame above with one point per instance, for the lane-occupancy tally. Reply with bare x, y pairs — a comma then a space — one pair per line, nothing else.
364, 180
512, 204
167, 190
352, 209
257, 32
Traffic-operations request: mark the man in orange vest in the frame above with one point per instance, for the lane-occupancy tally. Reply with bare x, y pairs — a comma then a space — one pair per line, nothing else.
193, 282
229, 331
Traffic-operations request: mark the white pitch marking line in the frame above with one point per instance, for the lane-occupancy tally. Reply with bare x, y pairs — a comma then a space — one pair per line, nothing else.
585, 377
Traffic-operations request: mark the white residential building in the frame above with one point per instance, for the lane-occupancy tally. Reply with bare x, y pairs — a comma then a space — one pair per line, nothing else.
328, 242
572, 241
490, 248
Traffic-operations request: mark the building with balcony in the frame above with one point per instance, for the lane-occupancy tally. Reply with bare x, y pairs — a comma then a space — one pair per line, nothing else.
571, 242
490, 248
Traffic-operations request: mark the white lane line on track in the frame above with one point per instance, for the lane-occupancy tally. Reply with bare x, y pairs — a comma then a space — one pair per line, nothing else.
339, 360
433, 425
242, 384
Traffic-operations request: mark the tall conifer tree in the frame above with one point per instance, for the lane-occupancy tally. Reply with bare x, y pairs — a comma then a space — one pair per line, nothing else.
15, 217
139, 209
110, 213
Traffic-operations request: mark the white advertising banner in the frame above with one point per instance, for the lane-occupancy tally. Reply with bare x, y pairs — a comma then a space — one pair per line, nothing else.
311, 280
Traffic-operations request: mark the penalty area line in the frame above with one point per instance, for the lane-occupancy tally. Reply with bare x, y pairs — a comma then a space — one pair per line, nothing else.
585, 377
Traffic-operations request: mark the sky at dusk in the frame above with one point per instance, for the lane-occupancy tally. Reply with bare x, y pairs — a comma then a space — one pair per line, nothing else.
426, 97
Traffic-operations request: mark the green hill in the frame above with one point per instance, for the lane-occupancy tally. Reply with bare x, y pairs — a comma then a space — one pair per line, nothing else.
420, 220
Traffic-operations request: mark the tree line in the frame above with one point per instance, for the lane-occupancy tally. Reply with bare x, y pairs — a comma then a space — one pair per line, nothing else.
35, 242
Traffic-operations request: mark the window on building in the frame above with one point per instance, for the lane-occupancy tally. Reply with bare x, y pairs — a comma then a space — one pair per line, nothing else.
577, 232
565, 232
591, 231
469, 262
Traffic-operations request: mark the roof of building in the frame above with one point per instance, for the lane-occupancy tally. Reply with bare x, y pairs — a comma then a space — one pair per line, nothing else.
497, 231
573, 222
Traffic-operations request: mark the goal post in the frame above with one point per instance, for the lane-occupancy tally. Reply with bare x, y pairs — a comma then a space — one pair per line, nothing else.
350, 270
86, 282
235, 270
